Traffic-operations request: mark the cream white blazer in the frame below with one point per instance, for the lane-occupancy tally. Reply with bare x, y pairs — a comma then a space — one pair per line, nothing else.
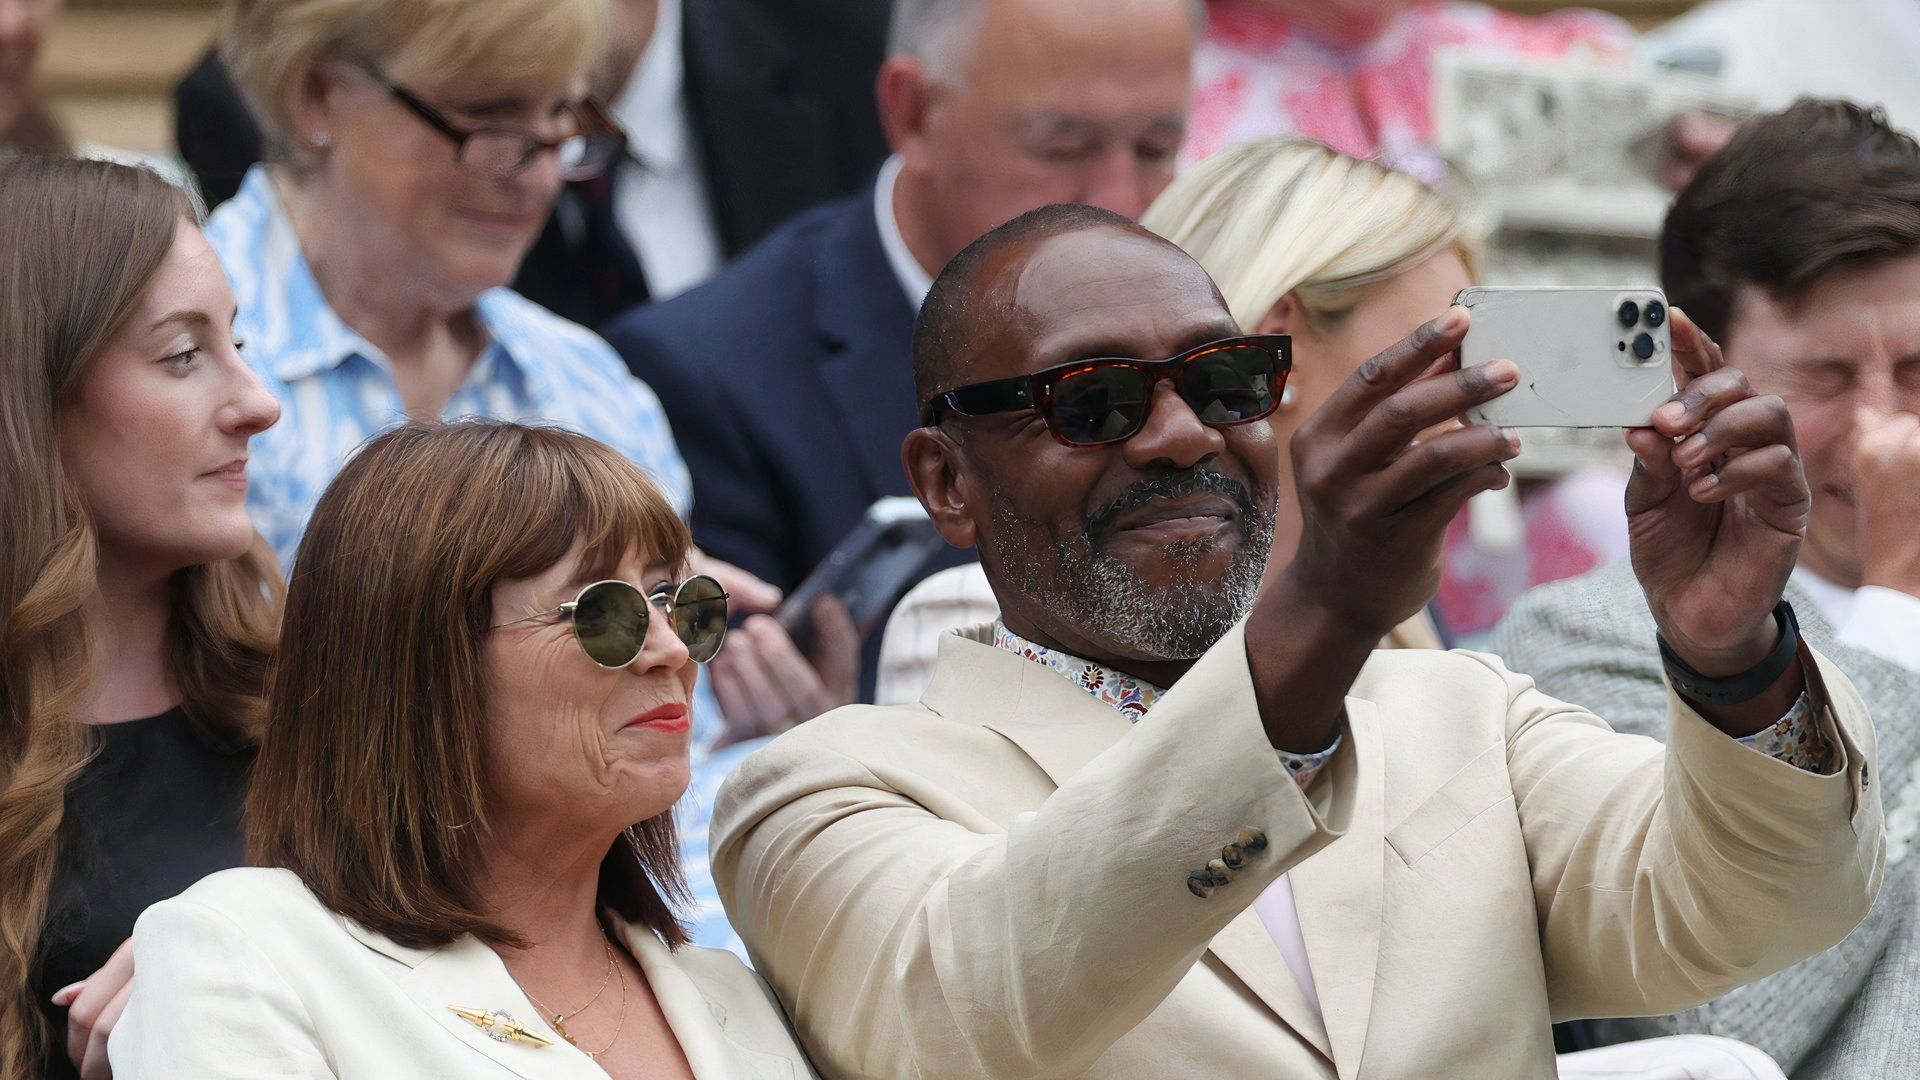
996, 883
247, 975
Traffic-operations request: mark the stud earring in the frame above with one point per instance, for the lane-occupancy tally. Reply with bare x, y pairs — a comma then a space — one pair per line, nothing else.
320, 139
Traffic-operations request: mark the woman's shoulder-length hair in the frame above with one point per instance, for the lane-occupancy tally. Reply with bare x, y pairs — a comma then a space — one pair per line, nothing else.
370, 783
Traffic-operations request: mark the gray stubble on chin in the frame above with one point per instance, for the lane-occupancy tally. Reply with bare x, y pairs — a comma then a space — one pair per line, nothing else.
1102, 598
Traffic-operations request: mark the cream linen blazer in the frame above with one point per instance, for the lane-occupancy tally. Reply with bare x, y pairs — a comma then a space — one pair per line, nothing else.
246, 975
1010, 880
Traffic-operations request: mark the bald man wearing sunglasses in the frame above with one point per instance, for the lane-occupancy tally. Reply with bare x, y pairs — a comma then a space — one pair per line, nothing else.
1162, 821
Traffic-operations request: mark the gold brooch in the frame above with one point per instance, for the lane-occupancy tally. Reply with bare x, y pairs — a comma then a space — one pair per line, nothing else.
500, 1027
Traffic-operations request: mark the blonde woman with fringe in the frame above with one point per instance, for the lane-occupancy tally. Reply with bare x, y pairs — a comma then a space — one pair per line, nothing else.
138, 607
1345, 255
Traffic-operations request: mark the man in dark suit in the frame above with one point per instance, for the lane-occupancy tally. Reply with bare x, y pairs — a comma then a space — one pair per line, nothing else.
775, 101
787, 377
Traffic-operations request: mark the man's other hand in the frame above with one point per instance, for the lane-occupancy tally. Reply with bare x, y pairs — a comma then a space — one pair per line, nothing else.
1886, 470
1716, 509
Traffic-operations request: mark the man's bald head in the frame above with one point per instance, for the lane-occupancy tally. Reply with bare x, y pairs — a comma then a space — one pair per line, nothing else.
1144, 548
967, 295
941, 33
994, 107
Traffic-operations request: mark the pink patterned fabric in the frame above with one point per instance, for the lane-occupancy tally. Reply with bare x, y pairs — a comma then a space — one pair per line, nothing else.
1255, 75
1572, 525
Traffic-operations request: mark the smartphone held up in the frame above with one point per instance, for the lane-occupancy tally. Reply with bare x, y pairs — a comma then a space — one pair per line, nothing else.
1588, 356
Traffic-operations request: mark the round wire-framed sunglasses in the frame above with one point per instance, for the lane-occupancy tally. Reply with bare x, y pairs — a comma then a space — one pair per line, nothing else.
610, 618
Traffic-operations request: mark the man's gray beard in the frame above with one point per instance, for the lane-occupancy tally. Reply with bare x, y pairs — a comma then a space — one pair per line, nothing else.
1106, 600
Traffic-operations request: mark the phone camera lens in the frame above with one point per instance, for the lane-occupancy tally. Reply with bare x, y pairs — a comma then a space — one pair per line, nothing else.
1656, 313
1629, 313
1643, 345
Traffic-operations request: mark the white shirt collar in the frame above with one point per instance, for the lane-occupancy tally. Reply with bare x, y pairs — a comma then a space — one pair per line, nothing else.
1879, 620
652, 107
914, 279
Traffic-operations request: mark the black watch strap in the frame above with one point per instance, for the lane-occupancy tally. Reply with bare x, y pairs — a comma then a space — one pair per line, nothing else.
1748, 684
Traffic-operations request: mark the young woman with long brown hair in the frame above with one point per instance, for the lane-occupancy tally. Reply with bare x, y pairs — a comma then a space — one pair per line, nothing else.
137, 604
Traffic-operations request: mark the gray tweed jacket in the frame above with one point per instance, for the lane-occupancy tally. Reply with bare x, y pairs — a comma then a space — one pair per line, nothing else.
1850, 1013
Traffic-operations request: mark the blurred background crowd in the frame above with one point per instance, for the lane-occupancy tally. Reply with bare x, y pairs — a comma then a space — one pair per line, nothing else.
720, 276
1559, 131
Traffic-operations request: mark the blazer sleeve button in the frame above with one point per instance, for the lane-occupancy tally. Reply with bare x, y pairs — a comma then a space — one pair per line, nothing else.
1200, 883
1233, 856
1219, 871
1252, 839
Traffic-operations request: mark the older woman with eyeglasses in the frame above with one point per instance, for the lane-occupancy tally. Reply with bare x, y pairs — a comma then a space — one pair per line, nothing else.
414, 150
460, 823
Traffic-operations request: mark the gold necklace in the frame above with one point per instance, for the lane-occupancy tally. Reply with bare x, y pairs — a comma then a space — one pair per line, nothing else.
558, 1019
618, 1025
594, 1055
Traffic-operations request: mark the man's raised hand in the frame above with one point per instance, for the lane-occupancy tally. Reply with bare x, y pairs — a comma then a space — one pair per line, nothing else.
1716, 509
1375, 498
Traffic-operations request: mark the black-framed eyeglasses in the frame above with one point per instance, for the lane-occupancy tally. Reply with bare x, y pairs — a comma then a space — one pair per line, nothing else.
610, 618
501, 150
1235, 380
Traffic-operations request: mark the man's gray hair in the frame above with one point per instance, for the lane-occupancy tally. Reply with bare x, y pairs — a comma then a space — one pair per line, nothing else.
939, 32
935, 32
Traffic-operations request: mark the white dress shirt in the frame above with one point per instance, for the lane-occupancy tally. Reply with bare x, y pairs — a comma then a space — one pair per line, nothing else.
662, 204
915, 280
1884, 622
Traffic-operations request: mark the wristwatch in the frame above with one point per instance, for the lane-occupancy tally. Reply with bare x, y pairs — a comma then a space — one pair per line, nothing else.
1746, 685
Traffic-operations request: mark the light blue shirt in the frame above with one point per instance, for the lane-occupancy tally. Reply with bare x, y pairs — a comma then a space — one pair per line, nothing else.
337, 390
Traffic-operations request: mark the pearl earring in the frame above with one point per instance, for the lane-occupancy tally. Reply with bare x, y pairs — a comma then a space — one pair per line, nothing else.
320, 139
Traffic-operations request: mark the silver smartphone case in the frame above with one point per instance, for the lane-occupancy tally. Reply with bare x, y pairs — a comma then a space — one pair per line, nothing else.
1580, 363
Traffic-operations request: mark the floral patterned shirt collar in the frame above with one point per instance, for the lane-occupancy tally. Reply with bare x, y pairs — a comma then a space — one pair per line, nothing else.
1122, 691
1133, 698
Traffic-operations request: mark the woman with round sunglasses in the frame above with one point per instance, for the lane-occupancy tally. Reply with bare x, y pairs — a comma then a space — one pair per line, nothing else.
460, 825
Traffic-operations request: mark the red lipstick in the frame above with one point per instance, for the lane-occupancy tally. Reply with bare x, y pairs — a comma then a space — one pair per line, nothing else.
670, 718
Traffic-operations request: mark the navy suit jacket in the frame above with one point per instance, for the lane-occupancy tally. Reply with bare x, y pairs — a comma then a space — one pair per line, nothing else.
789, 382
